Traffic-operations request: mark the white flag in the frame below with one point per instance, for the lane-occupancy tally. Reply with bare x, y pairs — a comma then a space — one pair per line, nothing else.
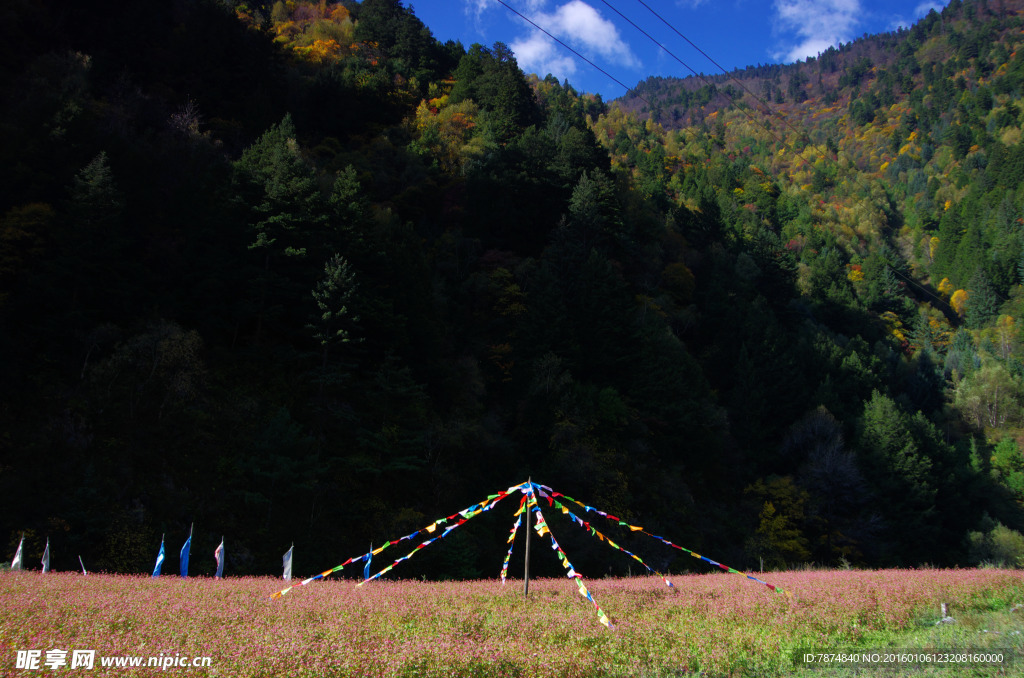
219, 555
82, 564
16, 563
288, 564
46, 557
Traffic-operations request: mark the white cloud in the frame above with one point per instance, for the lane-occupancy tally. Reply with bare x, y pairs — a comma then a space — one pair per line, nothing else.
540, 54
919, 13
815, 24
925, 7
575, 23
476, 8
579, 25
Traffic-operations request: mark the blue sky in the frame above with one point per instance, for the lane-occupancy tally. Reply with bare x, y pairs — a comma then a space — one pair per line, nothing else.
735, 33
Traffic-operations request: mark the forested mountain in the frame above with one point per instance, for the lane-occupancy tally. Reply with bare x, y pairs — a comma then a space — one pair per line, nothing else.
300, 272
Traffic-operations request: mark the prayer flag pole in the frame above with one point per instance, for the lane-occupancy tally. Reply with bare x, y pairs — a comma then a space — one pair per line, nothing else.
526, 565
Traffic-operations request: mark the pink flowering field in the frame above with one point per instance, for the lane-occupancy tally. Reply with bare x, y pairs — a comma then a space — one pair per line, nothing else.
707, 625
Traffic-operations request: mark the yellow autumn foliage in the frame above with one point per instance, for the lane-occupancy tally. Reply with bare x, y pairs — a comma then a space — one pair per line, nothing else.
895, 325
447, 132
958, 302
321, 51
315, 31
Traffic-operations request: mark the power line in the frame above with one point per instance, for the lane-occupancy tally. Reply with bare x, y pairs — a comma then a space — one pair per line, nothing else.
606, 73
920, 287
705, 80
731, 77
648, 35
670, 53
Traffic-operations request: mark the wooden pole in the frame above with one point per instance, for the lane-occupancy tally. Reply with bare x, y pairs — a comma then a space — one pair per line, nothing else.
526, 566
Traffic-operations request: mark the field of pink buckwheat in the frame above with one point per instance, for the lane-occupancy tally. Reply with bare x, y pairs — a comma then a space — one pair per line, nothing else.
707, 625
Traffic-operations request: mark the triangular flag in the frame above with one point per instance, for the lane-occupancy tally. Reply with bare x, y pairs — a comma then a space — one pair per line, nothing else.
16, 563
83, 565
218, 554
288, 564
46, 557
159, 559
184, 554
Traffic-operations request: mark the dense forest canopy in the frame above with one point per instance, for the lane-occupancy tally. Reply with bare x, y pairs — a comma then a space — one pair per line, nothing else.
299, 272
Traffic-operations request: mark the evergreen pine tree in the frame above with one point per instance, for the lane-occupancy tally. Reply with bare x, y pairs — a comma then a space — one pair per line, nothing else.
983, 304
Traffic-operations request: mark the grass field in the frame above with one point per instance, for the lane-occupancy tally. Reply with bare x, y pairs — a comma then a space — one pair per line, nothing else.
707, 625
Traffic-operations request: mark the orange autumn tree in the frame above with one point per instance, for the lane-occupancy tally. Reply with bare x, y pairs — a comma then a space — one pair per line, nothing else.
446, 132
315, 31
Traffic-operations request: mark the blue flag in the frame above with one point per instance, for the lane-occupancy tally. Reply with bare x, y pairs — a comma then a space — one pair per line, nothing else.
366, 569
184, 555
159, 559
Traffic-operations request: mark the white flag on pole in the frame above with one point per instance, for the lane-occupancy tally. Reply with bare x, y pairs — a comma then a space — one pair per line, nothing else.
288, 564
16, 563
46, 557
219, 555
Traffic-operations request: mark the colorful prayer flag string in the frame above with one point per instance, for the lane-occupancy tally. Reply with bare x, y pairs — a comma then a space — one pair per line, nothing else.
587, 526
528, 505
635, 528
464, 516
428, 530
541, 528
512, 538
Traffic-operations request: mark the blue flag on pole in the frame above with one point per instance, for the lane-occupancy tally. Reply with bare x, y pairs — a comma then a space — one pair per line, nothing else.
184, 555
159, 559
366, 568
